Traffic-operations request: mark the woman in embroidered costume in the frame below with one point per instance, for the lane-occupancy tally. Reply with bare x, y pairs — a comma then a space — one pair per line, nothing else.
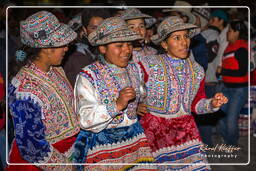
41, 98
175, 88
107, 93
138, 22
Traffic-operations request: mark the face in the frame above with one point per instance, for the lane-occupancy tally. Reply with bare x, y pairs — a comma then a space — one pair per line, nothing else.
137, 25
93, 24
232, 35
57, 54
118, 53
215, 21
177, 44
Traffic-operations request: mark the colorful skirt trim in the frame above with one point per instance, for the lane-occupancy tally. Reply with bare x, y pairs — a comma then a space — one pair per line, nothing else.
125, 145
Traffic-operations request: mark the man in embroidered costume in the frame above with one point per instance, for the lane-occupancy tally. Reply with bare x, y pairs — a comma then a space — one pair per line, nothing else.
175, 88
106, 94
41, 98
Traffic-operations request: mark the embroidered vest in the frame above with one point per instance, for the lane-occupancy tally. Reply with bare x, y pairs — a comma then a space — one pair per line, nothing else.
109, 80
55, 96
166, 95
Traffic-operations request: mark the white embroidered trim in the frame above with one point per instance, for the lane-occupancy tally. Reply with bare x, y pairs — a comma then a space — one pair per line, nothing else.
172, 148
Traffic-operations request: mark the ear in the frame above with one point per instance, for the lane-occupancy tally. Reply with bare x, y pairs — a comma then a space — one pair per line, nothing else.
102, 49
164, 45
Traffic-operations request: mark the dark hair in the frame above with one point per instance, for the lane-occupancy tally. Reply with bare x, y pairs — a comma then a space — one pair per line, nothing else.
16, 65
93, 12
240, 26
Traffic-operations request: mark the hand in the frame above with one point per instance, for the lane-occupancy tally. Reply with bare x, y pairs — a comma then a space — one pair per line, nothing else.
142, 109
218, 70
218, 100
125, 95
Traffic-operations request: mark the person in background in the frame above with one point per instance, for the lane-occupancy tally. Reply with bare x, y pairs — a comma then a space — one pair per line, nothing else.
107, 93
184, 13
85, 54
175, 88
218, 21
198, 42
137, 22
234, 74
40, 98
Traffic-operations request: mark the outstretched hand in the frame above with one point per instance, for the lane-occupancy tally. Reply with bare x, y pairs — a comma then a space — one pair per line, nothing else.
218, 100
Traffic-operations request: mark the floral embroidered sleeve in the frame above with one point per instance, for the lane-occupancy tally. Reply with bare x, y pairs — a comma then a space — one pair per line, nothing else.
201, 104
30, 132
93, 115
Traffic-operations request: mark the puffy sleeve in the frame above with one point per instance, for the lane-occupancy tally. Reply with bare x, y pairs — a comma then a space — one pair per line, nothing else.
200, 104
30, 131
93, 115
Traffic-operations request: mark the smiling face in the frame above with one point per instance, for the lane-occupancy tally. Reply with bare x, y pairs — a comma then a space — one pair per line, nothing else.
118, 53
177, 44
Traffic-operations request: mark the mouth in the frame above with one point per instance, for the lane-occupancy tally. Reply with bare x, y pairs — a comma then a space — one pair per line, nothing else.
126, 58
184, 50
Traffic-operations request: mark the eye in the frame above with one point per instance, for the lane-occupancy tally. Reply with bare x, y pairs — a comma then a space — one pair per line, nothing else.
131, 27
176, 38
142, 26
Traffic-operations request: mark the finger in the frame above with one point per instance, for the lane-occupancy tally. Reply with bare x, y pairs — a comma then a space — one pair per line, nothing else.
143, 109
128, 88
140, 113
130, 91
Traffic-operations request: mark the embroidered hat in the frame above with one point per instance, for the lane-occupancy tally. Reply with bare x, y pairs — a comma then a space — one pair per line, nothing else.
185, 10
43, 30
113, 29
76, 22
134, 13
203, 14
172, 24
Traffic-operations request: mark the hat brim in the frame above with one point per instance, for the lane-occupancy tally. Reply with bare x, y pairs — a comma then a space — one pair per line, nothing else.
136, 17
124, 35
63, 36
193, 30
190, 15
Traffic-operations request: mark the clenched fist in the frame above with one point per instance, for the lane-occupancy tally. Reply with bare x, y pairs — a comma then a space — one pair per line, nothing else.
125, 95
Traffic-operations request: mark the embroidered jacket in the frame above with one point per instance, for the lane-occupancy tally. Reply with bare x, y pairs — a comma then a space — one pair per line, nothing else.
43, 113
96, 91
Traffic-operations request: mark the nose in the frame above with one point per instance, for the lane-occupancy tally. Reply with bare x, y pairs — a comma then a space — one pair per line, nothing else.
127, 48
185, 41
